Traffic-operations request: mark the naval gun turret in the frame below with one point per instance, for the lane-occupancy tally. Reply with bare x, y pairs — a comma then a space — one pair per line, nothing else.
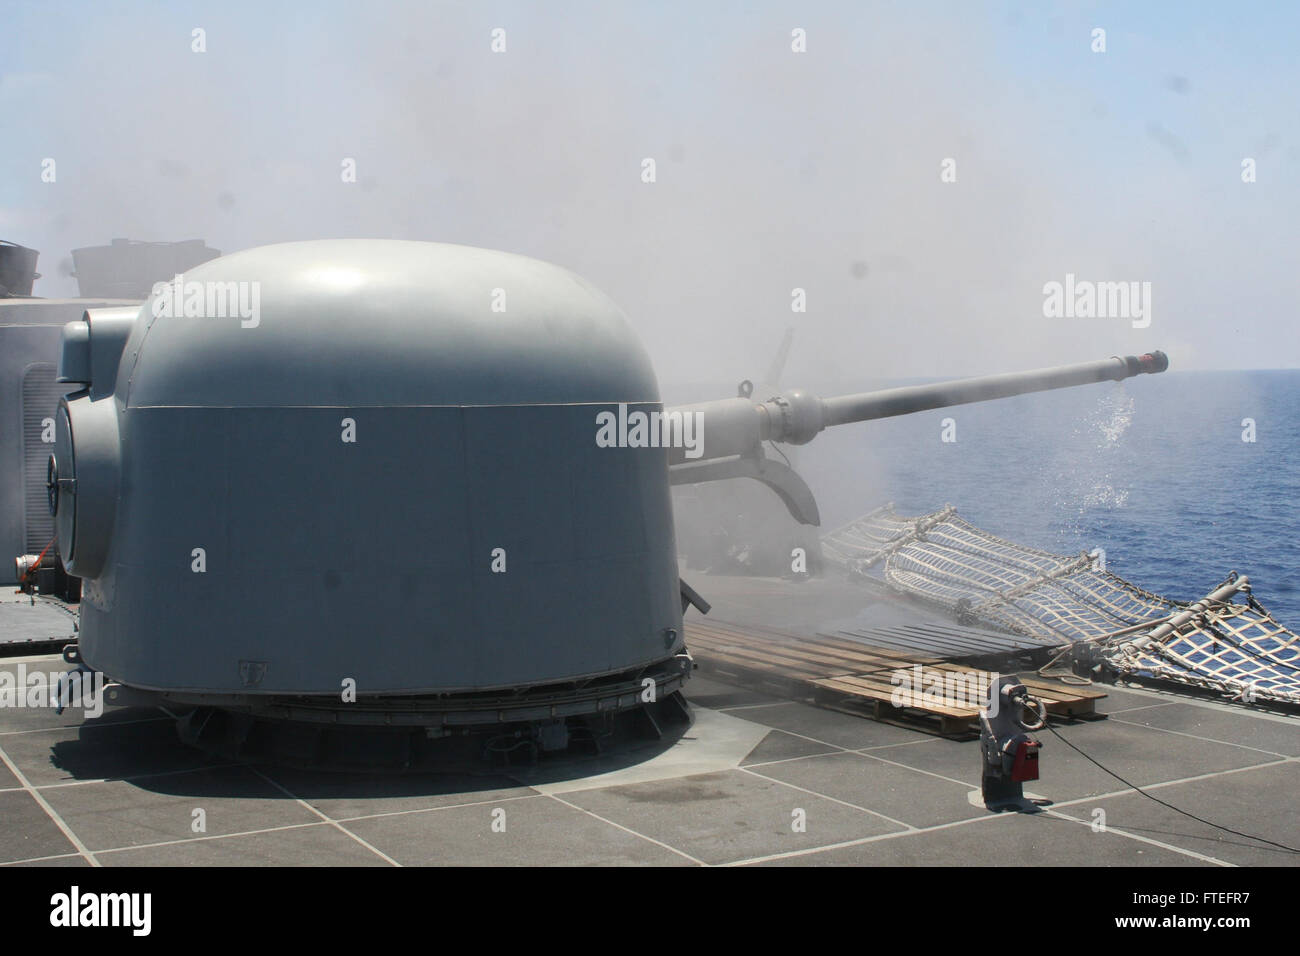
727, 435
403, 484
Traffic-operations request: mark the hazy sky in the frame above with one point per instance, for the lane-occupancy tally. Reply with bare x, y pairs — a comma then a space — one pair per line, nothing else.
774, 169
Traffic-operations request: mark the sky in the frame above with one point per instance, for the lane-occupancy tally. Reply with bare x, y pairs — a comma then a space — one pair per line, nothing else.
775, 170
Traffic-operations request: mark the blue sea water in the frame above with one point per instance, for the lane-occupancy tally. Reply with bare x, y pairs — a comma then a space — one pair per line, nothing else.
1153, 470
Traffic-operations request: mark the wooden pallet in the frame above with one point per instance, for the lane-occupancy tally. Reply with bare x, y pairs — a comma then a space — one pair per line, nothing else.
951, 711
1065, 700
865, 680
873, 695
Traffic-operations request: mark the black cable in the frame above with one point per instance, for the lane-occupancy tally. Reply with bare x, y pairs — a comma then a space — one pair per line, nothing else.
779, 452
1248, 836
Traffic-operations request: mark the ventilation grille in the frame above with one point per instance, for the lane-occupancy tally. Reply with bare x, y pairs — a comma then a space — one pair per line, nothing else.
41, 392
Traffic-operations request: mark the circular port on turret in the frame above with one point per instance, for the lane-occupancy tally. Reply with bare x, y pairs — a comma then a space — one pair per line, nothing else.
52, 485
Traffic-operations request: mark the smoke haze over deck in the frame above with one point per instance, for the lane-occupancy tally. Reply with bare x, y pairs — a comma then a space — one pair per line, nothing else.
775, 170
363, 578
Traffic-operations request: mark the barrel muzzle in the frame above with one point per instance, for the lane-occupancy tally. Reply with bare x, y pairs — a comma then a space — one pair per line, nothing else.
1147, 364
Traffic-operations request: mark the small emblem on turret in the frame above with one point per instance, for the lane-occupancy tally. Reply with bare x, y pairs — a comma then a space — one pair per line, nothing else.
251, 672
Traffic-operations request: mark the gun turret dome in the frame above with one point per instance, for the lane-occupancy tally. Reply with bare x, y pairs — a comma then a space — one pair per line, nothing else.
383, 322
363, 460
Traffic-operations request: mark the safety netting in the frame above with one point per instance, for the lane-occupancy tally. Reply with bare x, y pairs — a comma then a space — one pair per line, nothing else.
1226, 642
1236, 649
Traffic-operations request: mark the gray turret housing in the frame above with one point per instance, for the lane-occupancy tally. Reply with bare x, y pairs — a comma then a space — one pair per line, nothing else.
363, 460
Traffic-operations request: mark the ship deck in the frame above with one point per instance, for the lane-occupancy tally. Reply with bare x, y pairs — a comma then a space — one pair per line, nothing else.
122, 790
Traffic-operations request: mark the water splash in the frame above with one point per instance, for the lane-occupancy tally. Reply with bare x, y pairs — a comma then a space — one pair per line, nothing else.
1088, 480
1112, 417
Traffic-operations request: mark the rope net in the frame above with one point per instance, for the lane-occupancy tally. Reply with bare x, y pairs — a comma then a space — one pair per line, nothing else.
1233, 647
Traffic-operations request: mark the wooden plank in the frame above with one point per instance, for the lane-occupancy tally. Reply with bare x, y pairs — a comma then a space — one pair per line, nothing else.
862, 660
764, 667
856, 661
1073, 708
1086, 693
857, 687
887, 691
975, 681
754, 632
791, 687
777, 651
768, 652
768, 662
1073, 702
949, 667
824, 643
1049, 690
880, 707
863, 656
1056, 701
911, 656
873, 657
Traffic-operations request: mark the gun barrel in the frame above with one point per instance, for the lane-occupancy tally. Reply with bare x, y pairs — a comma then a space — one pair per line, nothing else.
735, 426
918, 398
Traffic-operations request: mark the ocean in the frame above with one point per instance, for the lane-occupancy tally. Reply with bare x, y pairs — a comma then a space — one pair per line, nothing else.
1153, 470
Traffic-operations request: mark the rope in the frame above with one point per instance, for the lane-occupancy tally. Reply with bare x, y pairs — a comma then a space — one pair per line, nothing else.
1065, 676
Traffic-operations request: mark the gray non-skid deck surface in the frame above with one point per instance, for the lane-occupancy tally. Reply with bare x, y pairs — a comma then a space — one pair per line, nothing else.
122, 790
27, 621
